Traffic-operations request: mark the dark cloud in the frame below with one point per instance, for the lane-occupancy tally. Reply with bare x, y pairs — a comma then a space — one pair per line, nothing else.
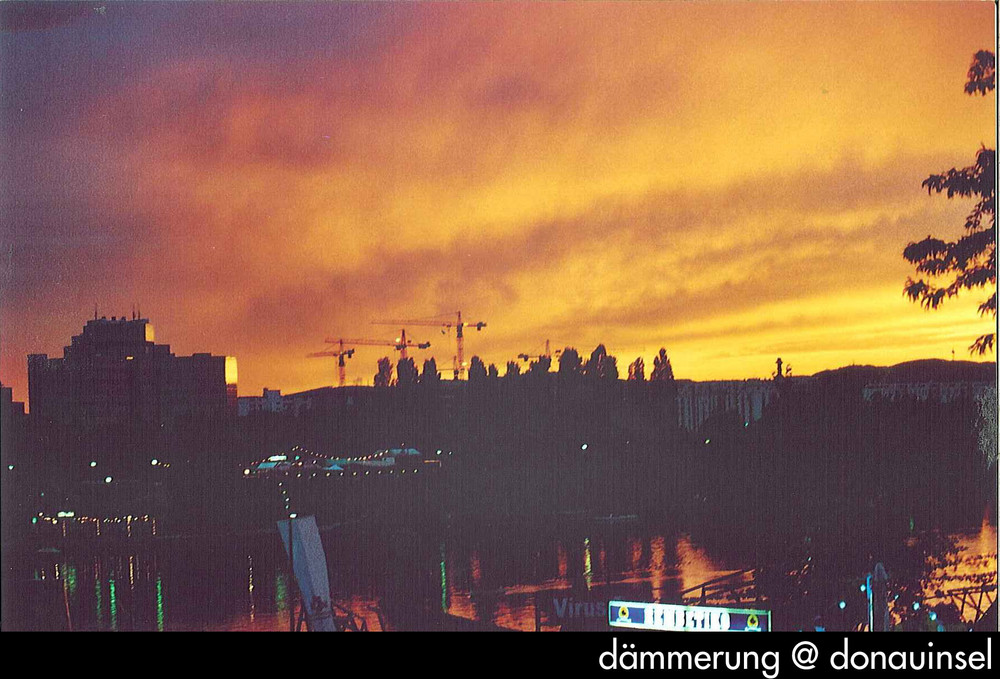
40, 16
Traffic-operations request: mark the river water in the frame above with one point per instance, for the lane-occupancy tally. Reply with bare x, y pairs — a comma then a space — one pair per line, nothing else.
485, 574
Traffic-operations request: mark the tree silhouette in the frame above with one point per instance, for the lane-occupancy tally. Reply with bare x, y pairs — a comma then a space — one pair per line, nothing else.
569, 362
662, 370
601, 366
492, 372
406, 371
609, 368
982, 73
513, 369
477, 370
540, 367
970, 261
383, 378
430, 375
637, 370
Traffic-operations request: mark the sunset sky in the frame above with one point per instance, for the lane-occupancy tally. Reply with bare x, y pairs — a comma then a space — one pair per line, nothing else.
732, 181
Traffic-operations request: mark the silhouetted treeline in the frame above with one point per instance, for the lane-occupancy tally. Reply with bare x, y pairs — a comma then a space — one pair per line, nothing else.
566, 436
575, 438
824, 455
828, 482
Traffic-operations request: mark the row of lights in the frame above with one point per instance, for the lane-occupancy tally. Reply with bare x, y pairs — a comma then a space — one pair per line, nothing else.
154, 462
108, 479
359, 458
93, 463
362, 458
247, 472
72, 515
62, 518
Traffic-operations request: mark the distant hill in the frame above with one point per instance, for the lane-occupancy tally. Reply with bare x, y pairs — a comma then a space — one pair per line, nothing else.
926, 370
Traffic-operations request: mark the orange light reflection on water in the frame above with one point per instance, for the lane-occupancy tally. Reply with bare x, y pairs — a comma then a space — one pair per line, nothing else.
975, 565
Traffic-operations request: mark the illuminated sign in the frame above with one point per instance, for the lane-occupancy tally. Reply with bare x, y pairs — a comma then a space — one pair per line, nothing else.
676, 618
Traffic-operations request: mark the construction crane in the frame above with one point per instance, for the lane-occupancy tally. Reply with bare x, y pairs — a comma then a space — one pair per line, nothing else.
340, 355
346, 349
400, 344
547, 354
459, 326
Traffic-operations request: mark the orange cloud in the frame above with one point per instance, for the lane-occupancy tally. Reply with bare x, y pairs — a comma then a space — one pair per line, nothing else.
734, 181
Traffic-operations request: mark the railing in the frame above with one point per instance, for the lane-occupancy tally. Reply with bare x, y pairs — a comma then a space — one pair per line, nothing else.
972, 597
736, 586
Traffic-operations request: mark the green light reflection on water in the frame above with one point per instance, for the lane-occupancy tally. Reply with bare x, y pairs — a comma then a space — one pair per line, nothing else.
161, 614
444, 582
280, 593
69, 575
97, 601
113, 604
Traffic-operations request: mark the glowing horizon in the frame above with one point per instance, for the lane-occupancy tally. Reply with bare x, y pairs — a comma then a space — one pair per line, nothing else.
732, 181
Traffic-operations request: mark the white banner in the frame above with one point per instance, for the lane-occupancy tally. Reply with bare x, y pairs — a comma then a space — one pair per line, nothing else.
310, 571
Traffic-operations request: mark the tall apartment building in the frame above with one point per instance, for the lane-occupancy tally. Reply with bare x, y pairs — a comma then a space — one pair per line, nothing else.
113, 373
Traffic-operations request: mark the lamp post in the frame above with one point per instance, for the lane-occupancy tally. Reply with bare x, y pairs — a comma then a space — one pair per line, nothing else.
291, 568
876, 588
879, 596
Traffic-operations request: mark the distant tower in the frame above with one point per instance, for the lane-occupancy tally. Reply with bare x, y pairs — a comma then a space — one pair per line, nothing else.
778, 374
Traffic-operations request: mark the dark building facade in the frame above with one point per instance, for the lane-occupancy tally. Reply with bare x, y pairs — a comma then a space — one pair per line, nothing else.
114, 373
12, 426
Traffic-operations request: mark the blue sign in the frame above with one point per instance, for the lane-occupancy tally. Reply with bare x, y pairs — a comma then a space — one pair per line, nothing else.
677, 618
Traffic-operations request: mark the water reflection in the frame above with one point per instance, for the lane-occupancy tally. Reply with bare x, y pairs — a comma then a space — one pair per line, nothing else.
658, 565
514, 578
113, 604
161, 614
974, 565
253, 608
694, 566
